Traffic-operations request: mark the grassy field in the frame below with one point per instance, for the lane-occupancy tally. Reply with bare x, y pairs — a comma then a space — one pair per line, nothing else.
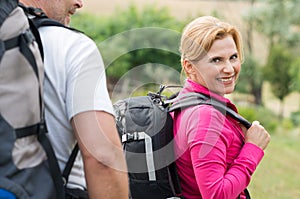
278, 175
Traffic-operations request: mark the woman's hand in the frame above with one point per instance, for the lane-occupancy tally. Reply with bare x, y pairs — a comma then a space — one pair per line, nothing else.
257, 135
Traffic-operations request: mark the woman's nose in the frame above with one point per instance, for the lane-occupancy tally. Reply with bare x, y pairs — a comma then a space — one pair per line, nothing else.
228, 67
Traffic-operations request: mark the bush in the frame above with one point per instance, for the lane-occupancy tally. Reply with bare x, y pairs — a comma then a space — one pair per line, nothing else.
268, 119
295, 117
287, 124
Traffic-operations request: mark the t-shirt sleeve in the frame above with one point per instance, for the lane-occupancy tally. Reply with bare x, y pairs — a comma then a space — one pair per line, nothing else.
86, 79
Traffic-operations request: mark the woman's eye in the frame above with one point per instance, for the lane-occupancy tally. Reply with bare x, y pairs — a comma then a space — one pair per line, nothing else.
234, 57
216, 60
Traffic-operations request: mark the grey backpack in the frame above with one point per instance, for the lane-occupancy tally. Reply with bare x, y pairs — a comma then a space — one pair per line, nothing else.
28, 166
145, 127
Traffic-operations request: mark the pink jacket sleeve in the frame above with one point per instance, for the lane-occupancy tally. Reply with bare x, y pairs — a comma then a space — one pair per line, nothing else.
221, 171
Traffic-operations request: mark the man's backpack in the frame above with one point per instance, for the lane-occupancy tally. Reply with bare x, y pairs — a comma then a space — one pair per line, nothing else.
145, 127
28, 166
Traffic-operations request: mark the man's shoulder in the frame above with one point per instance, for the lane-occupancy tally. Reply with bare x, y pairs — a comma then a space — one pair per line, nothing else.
56, 33
61, 30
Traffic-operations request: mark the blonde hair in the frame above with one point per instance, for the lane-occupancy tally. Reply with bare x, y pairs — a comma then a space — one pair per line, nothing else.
199, 35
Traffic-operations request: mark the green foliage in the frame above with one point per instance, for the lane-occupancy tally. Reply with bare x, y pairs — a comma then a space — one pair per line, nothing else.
295, 74
134, 37
268, 119
295, 117
287, 124
251, 80
276, 19
90, 24
154, 88
277, 71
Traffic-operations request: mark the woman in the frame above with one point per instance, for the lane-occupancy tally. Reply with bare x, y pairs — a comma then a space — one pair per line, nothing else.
216, 155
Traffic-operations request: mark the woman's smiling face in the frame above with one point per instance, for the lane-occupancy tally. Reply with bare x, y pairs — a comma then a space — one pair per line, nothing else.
218, 70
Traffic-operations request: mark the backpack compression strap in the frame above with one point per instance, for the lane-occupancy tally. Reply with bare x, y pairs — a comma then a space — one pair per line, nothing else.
23, 41
193, 99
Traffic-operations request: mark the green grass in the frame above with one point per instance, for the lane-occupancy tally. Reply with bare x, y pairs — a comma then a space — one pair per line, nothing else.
278, 175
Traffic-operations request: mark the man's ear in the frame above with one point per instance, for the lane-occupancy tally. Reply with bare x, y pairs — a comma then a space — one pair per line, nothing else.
188, 67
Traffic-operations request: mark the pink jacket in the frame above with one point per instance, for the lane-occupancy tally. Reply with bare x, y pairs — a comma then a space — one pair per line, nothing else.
213, 160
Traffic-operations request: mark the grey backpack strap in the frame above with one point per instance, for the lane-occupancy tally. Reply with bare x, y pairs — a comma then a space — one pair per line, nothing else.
52, 161
193, 99
69, 164
40, 19
6, 7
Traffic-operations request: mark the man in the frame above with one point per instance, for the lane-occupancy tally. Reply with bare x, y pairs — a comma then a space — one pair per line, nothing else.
78, 107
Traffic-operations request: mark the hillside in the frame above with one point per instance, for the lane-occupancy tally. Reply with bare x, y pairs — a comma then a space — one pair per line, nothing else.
179, 8
232, 11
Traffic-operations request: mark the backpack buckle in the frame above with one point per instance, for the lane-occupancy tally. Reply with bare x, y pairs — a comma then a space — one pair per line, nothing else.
129, 137
28, 36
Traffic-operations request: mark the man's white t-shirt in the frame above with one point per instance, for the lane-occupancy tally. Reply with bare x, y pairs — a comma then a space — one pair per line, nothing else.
75, 82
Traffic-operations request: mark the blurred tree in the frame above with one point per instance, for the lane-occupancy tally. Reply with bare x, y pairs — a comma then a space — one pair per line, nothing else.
295, 73
277, 72
251, 80
134, 37
278, 21
150, 35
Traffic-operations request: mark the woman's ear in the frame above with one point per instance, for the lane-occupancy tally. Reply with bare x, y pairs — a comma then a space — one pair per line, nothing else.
188, 67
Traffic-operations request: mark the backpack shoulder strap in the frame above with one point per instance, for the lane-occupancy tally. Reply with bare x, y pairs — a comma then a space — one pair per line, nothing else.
6, 7
40, 19
45, 21
52, 161
69, 164
193, 99
41, 127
